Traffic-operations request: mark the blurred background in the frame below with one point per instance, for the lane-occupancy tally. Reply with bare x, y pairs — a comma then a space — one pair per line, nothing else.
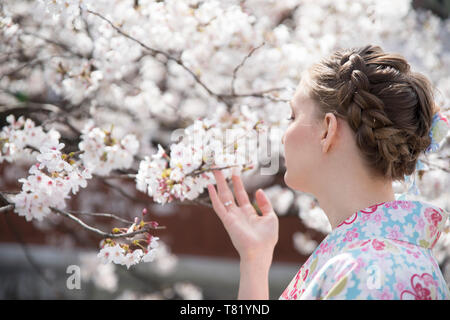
139, 94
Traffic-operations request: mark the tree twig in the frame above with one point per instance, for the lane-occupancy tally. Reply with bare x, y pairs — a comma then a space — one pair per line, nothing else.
236, 69
6, 208
100, 214
435, 165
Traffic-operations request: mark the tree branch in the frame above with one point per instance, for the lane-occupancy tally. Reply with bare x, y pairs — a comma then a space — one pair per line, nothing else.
240, 66
155, 52
221, 97
85, 225
100, 232
108, 215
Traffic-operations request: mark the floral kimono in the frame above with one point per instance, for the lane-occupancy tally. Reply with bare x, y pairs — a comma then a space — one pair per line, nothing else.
381, 252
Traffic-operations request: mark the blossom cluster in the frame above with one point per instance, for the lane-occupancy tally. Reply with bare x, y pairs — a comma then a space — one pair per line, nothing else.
121, 254
132, 250
51, 181
21, 138
103, 152
56, 174
186, 171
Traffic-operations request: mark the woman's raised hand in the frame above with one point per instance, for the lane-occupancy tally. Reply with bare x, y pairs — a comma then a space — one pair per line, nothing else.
253, 236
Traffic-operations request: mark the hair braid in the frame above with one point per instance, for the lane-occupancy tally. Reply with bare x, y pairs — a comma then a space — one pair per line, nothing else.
389, 108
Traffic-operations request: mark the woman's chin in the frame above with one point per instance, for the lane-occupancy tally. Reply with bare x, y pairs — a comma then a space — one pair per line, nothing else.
286, 179
290, 183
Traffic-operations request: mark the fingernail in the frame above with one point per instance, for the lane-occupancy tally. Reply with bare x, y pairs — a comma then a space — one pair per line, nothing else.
236, 171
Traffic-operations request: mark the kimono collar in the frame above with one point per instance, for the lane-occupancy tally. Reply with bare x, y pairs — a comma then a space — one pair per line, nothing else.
416, 222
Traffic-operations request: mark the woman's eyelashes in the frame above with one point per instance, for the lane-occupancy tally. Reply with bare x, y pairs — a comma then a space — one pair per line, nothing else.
292, 112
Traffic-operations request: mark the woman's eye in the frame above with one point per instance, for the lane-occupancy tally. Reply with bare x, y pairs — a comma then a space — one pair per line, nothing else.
291, 118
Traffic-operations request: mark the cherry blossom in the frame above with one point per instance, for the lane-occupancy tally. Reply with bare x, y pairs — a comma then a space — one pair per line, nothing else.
165, 90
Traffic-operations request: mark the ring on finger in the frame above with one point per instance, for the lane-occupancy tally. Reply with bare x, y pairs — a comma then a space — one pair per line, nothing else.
226, 204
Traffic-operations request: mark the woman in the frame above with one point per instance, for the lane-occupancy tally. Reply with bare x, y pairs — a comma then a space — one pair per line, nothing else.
360, 120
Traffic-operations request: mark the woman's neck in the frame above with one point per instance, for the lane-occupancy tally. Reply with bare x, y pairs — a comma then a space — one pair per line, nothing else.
342, 198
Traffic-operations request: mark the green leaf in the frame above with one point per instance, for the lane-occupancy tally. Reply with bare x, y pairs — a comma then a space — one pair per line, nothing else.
21, 96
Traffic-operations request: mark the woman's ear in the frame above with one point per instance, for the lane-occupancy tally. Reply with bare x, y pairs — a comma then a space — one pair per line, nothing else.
329, 131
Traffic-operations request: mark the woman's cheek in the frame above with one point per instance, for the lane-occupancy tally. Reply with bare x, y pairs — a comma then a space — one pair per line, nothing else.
288, 143
291, 146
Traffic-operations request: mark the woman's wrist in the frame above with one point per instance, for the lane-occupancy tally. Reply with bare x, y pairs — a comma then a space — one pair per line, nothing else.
254, 279
256, 261
257, 258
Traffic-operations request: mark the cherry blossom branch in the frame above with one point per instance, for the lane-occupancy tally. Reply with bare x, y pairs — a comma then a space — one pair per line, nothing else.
121, 191
100, 232
259, 94
6, 208
118, 176
69, 215
100, 214
56, 43
44, 106
435, 165
203, 170
30, 64
165, 54
222, 97
240, 66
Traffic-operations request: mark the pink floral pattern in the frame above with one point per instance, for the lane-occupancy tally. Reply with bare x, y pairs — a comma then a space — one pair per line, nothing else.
423, 287
351, 234
378, 245
380, 252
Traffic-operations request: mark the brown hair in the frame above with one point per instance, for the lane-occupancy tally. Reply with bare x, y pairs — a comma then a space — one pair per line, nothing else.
389, 108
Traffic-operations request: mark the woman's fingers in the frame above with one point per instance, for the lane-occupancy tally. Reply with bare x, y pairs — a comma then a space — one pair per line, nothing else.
216, 202
263, 202
239, 189
225, 194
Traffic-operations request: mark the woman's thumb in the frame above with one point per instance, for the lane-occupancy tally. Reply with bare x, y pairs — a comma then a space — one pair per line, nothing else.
263, 202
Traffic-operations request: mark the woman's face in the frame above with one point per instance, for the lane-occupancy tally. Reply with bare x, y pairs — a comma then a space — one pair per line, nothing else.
302, 148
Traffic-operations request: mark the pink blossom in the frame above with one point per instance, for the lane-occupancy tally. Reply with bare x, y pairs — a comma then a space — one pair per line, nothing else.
420, 223
351, 234
323, 248
415, 254
434, 218
407, 205
400, 203
386, 294
394, 232
378, 245
420, 287
400, 286
378, 217
360, 264
392, 204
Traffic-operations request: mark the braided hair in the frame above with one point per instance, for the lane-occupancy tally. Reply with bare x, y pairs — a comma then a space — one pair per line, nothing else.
388, 107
